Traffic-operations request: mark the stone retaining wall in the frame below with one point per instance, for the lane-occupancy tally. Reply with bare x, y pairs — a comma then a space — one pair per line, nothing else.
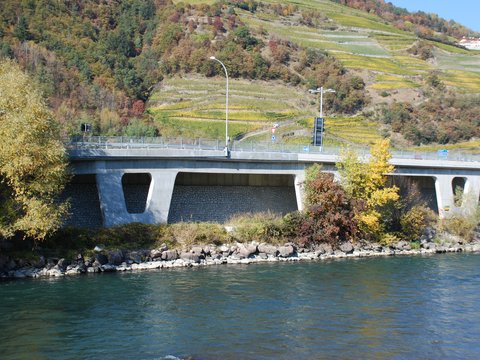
218, 203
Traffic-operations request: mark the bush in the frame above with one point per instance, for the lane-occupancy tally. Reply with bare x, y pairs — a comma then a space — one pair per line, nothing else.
462, 225
330, 216
414, 221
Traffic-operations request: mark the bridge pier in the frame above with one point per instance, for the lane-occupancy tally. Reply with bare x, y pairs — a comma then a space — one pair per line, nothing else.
160, 196
112, 198
446, 195
298, 183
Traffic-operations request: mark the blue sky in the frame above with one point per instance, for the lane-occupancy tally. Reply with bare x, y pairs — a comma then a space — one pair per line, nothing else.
465, 12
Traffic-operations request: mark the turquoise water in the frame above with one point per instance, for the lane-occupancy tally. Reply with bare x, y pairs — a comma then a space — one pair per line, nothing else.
396, 308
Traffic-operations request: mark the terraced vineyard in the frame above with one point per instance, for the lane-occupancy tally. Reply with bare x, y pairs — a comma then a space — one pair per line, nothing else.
363, 42
195, 107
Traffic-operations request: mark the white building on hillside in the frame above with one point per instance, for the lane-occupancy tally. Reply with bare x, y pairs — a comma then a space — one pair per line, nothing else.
470, 43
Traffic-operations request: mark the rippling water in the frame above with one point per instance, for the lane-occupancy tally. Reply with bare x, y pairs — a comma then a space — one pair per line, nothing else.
400, 308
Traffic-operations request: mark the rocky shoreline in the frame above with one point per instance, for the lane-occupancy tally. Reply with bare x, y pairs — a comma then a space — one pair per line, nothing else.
238, 253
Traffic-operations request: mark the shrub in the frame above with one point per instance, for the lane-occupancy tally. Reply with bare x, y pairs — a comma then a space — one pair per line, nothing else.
414, 221
330, 215
389, 239
462, 225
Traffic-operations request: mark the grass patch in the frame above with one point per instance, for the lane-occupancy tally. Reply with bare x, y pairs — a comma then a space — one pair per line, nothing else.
472, 147
464, 80
384, 65
262, 227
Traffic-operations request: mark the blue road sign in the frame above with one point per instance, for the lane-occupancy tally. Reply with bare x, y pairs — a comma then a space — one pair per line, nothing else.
274, 138
442, 153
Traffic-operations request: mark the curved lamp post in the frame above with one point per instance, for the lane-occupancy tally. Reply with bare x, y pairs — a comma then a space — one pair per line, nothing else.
321, 91
226, 105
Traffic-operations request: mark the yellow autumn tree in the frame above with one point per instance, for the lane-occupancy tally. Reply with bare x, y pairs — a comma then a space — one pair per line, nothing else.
367, 181
33, 167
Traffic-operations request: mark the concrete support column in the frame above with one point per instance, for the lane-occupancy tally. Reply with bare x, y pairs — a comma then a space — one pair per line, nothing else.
112, 201
299, 193
160, 196
444, 192
471, 193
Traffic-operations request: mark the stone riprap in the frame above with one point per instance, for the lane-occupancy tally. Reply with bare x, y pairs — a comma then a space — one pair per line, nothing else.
238, 253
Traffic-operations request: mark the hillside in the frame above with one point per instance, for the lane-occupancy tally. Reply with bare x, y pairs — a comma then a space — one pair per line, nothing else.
141, 67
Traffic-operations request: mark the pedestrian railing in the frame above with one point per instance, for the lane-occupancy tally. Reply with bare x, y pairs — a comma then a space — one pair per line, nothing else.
123, 142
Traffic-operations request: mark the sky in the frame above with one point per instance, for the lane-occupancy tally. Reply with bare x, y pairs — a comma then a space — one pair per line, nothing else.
465, 12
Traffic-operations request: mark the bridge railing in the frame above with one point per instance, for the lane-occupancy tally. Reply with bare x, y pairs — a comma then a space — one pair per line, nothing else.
124, 142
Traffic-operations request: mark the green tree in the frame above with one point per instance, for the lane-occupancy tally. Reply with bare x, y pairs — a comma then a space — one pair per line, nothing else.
21, 30
367, 182
33, 168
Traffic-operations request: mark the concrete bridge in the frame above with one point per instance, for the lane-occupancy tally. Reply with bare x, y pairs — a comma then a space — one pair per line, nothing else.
117, 183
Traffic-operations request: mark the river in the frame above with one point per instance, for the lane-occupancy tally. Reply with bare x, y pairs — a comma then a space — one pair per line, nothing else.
407, 307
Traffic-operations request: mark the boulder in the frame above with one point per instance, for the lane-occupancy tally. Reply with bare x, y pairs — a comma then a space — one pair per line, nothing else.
99, 248
402, 245
169, 255
50, 263
135, 256
18, 274
268, 249
63, 263
441, 250
101, 259
189, 256
155, 253
429, 246
108, 268
115, 257
430, 233
225, 250
81, 268
246, 250
55, 271
89, 261
197, 250
347, 247
286, 250
325, 249
208, 250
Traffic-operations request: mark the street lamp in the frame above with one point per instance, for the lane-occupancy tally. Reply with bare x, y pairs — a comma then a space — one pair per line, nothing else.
320, 91
227, 153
